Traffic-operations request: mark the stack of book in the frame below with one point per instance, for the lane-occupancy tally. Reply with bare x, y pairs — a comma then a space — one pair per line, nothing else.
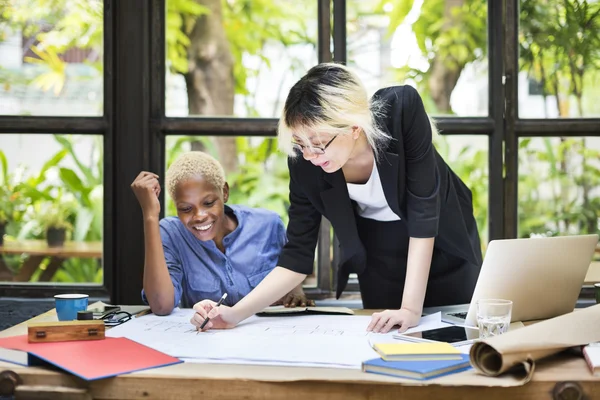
417, 360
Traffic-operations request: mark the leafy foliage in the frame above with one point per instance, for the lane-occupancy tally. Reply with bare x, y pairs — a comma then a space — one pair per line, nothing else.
55, 214
552, 200
261, 181
559, 44
455, 37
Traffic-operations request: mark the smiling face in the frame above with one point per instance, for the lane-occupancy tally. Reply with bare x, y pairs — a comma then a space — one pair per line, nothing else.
337, 153
201, 208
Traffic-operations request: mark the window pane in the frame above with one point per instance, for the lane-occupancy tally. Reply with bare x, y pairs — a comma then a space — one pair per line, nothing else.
468, 157
559, 61
52, 189
440, 50
240, 59
51, 57
559, 186
257, 175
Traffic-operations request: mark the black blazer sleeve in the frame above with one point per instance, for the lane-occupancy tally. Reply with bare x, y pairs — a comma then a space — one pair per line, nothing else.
422, 175
298, 254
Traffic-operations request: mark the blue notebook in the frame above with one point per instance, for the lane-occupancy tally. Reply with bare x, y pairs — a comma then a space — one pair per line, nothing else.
420, 370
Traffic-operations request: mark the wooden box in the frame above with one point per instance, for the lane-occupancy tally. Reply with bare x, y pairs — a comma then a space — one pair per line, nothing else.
64, 331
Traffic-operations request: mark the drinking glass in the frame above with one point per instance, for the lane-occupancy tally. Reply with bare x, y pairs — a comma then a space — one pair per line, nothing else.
493, 317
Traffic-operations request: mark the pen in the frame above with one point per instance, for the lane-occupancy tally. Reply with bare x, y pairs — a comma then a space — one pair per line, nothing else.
218, 304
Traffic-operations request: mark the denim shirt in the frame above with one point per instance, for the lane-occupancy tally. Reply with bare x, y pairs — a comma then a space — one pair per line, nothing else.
199, 270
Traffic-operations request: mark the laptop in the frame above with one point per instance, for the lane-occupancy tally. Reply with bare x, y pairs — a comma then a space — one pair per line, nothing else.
542, 276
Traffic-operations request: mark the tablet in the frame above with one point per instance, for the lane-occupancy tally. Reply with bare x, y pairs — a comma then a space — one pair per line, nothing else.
455, 335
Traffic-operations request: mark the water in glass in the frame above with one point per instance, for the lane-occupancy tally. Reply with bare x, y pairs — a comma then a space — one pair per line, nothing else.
493, 326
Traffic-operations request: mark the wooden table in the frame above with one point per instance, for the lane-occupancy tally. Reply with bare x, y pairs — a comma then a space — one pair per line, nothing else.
560, 374
37, 251
593, 274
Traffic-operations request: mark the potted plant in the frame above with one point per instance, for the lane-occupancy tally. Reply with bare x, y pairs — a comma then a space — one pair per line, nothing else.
16, 195
54, 220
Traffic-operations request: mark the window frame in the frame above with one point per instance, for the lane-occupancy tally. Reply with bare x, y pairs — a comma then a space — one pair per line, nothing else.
134, 135
516, 127
101, 125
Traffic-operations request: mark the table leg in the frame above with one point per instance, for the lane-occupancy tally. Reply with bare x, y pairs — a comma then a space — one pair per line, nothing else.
28, 268
6, 274
53, 266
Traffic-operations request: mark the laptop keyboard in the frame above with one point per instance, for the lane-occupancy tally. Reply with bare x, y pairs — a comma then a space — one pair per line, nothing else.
462, 315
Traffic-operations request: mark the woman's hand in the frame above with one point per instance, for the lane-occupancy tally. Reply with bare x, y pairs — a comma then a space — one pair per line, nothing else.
382, 322
296, 297
221, 317
147, 189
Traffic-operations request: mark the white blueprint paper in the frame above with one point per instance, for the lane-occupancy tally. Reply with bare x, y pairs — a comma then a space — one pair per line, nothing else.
307, 340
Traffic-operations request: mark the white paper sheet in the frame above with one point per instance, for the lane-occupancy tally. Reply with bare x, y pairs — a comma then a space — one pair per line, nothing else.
428, 322
308, 340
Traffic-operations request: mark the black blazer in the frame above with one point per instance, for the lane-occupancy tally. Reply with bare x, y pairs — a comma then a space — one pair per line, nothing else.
418, 186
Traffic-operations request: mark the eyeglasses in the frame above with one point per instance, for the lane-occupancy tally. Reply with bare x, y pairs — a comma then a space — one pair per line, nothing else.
313, 149
116, 318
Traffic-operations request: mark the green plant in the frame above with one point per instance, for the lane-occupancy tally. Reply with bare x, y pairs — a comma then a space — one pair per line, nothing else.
561, 204
263, 177
80, 270
10, 199
470, 164
84, 182
450, 35
56, 215
77, 196
4, 190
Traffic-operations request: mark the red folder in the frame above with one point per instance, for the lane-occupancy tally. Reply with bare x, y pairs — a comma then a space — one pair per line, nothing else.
92, 359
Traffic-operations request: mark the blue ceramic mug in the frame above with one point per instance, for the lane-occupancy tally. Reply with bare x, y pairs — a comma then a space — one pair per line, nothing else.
67, 305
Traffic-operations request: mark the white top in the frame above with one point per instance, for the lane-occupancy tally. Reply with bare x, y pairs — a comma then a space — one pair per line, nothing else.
371, 199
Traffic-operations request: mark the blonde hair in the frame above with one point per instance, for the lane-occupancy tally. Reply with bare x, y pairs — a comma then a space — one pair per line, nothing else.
194, 164
330, 98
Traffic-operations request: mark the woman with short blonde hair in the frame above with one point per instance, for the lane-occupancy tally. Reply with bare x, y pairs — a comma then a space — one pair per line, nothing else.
210, 248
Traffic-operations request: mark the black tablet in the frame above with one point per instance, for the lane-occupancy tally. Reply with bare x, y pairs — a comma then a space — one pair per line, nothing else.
451, 334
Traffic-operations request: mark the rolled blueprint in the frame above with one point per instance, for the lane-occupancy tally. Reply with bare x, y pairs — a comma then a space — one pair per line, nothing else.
522, 347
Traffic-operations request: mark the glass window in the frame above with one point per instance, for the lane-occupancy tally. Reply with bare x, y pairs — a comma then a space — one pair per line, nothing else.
51, 58
468, 157
51, 207
558, 59
439, 49
559, 186
239, 59
258, 176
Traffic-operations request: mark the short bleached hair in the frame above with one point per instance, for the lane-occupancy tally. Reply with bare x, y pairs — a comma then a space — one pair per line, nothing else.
331, 99
194, 164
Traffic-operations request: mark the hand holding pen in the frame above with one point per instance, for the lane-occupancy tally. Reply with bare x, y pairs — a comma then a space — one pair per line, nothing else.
211, 315
207, 317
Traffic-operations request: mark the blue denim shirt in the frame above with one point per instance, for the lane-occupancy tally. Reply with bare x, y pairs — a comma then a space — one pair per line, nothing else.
199, 270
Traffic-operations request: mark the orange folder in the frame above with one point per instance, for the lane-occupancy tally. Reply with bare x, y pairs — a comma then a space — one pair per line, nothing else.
91, 359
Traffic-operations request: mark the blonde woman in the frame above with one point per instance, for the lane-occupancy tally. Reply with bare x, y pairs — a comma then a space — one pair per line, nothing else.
210, 248
404, 219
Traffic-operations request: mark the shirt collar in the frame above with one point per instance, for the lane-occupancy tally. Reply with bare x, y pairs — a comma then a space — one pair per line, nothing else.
238, 215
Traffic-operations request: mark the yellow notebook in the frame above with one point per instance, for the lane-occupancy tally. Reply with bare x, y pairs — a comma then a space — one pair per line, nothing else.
417, 351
